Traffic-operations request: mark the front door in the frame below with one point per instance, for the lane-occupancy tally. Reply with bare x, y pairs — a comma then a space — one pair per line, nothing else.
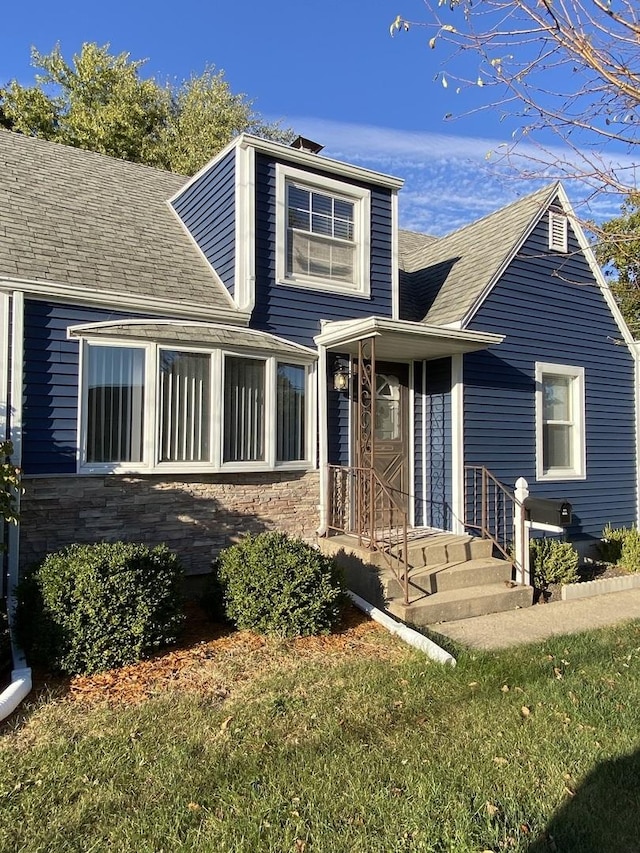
391, 429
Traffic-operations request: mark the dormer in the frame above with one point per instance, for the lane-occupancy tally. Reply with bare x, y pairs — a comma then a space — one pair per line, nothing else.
267, 216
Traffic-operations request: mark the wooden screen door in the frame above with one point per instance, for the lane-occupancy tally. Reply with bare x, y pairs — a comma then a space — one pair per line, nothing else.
391, 429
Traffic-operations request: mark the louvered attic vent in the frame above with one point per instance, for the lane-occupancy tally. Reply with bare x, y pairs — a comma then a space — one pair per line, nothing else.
557, 231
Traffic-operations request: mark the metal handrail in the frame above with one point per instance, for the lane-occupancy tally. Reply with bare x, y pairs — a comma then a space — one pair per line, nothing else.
490, 508
360, 503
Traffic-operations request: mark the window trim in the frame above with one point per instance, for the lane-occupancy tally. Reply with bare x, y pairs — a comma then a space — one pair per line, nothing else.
157, 464
83, 412
151, 437
361, 200
578, 433
558, 220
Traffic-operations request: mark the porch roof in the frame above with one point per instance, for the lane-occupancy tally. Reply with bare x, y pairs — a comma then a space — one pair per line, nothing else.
403, 338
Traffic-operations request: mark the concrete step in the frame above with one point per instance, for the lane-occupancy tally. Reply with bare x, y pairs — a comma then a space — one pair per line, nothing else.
433, 579
463, 603
477, 572
447, 548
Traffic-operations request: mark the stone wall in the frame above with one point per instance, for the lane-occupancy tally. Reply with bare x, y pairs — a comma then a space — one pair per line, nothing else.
195, 515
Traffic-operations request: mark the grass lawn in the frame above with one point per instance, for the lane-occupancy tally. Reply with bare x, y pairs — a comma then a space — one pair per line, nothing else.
359, 745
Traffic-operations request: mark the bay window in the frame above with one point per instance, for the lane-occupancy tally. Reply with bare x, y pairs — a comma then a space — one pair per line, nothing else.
115, 405
244, 409
290, 412
184, 392
147, 407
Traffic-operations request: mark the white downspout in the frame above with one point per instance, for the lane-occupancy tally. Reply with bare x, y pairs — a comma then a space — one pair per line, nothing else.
21, 681
323, 450
457, 441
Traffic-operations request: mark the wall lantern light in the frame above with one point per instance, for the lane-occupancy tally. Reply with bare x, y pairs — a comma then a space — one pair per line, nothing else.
341, 375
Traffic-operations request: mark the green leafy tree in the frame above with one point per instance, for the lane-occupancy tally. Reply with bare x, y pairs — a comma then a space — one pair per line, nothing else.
101, 102
619, 253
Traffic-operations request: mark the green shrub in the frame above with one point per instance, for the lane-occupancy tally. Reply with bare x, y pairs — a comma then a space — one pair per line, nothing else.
552, 561
630, 553
610, 545
92, 607
9, 484
276, 585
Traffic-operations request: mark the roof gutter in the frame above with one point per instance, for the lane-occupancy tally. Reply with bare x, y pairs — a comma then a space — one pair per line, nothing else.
56, 292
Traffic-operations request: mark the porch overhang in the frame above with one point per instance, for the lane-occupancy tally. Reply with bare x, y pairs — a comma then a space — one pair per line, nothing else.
402, 339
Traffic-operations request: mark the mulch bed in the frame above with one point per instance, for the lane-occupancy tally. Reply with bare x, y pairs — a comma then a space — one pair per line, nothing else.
197, 663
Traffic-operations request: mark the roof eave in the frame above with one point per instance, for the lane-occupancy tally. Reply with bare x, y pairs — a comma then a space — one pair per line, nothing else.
407, 339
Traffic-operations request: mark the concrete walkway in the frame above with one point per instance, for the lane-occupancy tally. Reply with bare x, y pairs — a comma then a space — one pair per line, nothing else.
532, 624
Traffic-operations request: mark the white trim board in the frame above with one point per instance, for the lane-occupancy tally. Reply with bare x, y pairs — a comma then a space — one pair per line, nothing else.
50, 291
457, 443
5, 303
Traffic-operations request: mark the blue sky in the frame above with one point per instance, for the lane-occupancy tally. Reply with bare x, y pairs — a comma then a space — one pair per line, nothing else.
329, 70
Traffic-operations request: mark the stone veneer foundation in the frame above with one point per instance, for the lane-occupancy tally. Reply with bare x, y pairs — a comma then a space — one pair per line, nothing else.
195, 515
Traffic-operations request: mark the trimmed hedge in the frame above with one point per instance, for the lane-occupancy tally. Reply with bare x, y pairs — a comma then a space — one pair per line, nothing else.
93, 607
274, 584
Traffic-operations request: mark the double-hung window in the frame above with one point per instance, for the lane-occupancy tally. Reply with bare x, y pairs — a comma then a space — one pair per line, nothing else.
560, 431
323, 233
149, 406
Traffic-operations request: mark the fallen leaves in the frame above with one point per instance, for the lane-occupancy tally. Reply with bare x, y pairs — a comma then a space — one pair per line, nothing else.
193, 666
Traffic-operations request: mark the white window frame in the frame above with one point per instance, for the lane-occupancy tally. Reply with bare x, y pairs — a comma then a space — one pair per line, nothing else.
83, 411
578, 435
151, 412
361, 200
558, 231
213, 374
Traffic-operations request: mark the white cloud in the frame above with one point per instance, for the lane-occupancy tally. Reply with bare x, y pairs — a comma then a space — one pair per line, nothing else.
449, 180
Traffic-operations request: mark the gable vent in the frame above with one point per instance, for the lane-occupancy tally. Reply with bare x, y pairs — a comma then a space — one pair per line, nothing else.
557, 231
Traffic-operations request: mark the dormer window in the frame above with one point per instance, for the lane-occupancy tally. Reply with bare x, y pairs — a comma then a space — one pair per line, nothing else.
557, 231
323, 233
320, 235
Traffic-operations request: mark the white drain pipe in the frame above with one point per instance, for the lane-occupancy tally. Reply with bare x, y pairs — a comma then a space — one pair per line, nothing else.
408, 635
13, 695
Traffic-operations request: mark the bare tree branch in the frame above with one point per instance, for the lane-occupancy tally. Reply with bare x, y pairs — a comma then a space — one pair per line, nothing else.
564, 69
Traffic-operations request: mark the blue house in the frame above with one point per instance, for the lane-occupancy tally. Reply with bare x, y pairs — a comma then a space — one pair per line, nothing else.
260, 347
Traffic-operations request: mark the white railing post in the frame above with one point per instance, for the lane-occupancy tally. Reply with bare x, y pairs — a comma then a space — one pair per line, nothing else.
521, 532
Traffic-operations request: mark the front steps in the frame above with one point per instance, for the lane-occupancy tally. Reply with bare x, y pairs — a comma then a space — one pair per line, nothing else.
450, 577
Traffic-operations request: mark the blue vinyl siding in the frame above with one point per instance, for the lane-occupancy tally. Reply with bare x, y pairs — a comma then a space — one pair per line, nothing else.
50, 404
295, 313
207, 208
338, 425
560, 318
434, 496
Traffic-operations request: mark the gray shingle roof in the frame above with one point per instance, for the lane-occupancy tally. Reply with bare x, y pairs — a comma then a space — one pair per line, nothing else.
73, 217
442, 280
195, 334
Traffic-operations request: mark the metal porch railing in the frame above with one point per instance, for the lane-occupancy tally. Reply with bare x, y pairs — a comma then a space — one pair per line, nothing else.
361, 504
494, 512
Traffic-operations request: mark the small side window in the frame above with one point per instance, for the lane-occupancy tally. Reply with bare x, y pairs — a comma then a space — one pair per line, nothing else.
560, 415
